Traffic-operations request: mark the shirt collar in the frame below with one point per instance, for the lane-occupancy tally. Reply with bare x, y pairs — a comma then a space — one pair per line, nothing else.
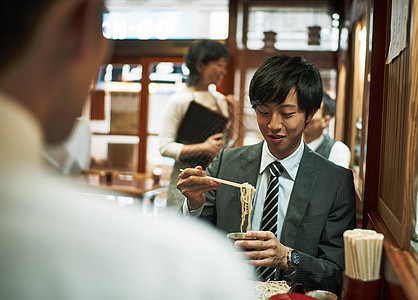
315, 143
290, 163
23, 143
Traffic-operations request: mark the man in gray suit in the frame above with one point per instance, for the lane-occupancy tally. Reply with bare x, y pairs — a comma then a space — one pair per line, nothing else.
314, 199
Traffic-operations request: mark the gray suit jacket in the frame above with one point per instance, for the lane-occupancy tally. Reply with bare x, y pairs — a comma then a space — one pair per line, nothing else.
321, 208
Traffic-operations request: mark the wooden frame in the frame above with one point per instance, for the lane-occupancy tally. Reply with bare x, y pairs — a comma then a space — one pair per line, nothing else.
391, 94
397, 162
146, 62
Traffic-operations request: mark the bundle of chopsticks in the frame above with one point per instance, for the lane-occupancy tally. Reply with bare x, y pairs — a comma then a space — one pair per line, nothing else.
363, 252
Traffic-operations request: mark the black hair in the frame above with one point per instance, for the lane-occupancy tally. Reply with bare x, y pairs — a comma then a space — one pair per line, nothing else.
18, 22
203, 51
329, 106
277, 75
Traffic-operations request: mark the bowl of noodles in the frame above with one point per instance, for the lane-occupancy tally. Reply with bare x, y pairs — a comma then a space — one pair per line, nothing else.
266, 290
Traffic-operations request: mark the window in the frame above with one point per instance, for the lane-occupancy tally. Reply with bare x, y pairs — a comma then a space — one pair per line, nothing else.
125, 109
115, 141
314, 30
166, 20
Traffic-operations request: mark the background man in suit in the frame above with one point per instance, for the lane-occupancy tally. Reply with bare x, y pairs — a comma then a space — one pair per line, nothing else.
316, 137
56, 242
316, 200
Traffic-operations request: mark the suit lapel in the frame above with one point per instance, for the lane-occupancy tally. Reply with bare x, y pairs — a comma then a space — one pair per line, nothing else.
249, 164
299, 199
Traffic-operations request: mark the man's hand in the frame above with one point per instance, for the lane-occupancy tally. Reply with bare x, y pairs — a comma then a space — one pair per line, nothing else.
193, 184
265, 250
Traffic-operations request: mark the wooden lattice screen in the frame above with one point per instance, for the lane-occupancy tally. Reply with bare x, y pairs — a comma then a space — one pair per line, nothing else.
399, 144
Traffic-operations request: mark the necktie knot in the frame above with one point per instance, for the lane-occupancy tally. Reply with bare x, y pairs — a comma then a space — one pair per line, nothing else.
276, 169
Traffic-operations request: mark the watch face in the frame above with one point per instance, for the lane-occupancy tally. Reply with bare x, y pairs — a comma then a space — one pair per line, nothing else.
295, 257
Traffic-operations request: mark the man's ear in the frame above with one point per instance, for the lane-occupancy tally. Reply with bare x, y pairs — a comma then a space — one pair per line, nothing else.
200, 66
83, 21
56, 40
325, 121
76, 26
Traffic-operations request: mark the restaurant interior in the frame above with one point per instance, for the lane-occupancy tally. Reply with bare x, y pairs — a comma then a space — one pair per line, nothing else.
365, 51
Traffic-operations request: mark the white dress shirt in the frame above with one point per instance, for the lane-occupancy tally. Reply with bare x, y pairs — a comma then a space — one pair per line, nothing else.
56, 242
286, 181
340, 154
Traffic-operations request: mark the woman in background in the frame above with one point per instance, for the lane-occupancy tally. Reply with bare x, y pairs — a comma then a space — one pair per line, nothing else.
207, 62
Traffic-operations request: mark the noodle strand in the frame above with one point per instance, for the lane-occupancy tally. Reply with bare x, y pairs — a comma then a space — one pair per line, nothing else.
247, 196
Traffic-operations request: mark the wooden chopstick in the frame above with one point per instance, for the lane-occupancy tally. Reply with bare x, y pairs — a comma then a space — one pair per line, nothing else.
238, 185
225, 181
363, 252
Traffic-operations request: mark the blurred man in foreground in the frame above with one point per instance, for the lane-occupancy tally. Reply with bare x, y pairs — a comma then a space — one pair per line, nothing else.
54, 242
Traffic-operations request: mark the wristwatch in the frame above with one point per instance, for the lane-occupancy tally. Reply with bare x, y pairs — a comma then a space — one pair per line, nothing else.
292, 260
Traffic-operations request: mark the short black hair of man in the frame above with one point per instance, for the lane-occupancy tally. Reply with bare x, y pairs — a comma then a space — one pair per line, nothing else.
328, 105
277, 75
18, 20
18, 23
203, 51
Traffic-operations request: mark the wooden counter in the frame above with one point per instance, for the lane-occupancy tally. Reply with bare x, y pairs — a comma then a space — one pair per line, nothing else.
133, 184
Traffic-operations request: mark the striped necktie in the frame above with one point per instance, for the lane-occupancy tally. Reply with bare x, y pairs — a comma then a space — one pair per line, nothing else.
269, 221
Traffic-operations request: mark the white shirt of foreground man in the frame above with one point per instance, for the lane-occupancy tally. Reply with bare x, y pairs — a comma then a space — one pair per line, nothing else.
55, 241
55, 244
